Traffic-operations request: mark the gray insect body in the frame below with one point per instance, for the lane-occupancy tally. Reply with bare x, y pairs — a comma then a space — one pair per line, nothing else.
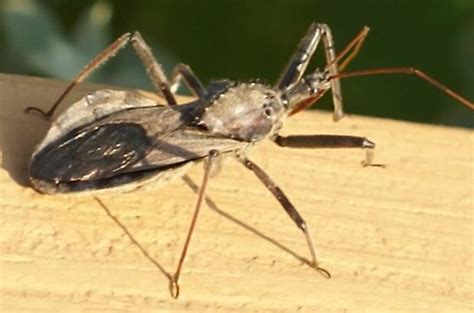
118, 139
248, 112
110, 138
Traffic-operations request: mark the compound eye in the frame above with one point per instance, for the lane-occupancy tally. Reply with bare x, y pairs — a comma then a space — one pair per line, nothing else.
268, 109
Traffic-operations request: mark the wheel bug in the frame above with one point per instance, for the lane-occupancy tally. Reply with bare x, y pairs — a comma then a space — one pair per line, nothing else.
115, 138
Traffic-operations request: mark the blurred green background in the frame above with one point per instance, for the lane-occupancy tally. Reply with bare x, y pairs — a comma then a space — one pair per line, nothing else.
254, 39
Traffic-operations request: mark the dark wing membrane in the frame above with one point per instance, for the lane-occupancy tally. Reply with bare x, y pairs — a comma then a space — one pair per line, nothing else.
93, 153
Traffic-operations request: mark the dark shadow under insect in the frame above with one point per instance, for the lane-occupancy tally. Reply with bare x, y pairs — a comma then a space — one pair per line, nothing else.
112, 138
213, 206
132, 238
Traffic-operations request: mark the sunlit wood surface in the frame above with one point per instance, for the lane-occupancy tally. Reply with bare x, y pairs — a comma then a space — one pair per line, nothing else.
394, 239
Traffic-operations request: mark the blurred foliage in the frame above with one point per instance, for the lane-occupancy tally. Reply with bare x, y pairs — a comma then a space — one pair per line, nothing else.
253, 39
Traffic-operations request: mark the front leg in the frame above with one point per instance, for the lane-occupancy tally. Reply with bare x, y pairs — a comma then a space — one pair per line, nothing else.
329, 141
301, 58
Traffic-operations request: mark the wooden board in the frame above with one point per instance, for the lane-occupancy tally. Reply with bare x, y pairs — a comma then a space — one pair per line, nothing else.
394, 239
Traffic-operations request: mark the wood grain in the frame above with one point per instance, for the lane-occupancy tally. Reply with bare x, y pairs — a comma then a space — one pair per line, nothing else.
394, 239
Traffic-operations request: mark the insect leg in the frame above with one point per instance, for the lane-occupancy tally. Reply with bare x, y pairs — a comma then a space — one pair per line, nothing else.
349, 52
302, 56
289, 208
329, 141
174, 282
330, 51
101, 58
143, 51
184, 72
153, 68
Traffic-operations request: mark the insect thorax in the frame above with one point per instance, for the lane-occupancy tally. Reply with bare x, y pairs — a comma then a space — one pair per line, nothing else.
245, 111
